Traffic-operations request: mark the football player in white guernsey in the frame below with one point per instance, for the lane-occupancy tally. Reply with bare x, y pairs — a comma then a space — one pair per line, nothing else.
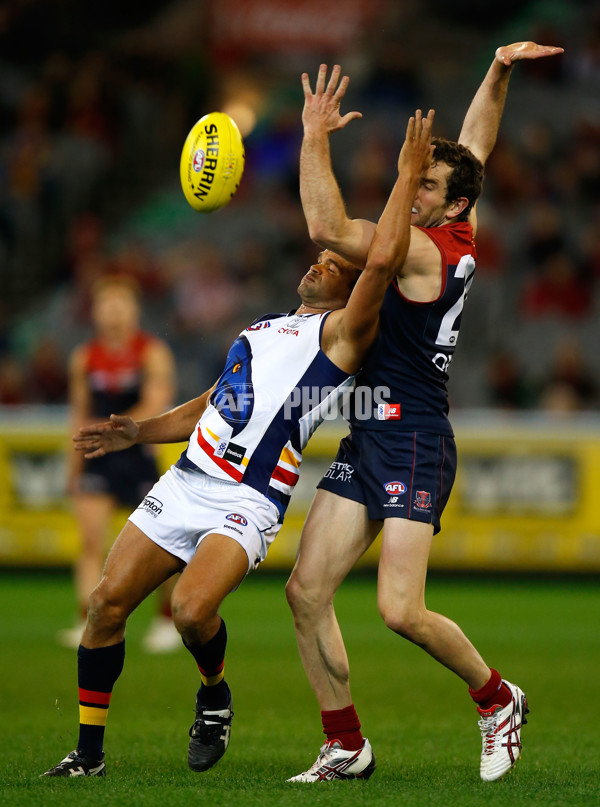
402, 460
213, 515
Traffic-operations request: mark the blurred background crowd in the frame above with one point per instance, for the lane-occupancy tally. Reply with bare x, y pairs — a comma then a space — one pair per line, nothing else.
96, 101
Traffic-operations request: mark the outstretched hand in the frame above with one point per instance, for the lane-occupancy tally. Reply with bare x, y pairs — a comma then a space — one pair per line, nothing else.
321, 111
116, 434
417, 151
508, 54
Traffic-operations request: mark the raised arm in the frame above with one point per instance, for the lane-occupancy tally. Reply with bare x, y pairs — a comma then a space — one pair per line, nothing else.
358, 323
122, 431
324, 209
391, 241
482, 121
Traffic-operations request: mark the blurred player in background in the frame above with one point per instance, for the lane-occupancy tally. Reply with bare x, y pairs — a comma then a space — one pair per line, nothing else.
120, 370
214, 515
396, 467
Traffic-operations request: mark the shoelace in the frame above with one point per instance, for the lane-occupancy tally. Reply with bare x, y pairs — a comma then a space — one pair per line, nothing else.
487, 726
73, 759
325, 754
209, 727
207, 733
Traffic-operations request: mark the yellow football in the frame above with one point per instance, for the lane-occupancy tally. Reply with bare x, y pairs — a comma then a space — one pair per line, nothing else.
212, 162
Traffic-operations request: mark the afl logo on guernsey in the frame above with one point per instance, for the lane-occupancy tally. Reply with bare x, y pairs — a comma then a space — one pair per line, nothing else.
237, 519
394, 488
259, 326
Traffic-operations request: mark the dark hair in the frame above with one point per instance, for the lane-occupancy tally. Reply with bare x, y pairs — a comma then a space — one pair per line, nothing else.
466, 175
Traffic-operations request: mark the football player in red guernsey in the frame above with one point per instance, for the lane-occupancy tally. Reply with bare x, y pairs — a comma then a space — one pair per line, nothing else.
396, 468
121, 370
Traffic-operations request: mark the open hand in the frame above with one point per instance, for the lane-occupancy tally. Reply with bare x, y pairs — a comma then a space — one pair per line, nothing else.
508, 54
322, 109
116, 434
417, 151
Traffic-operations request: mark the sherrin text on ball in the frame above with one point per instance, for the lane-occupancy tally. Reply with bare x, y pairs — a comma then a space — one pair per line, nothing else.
212, 162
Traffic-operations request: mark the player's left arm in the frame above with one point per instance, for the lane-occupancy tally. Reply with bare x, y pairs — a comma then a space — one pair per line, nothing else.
158, 384
482, 121
358, 322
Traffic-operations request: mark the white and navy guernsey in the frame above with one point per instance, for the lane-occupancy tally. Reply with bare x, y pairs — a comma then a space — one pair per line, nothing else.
275, 390
416, 343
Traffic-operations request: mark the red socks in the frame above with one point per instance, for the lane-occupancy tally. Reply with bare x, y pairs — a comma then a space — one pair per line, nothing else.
343, 725
494, 693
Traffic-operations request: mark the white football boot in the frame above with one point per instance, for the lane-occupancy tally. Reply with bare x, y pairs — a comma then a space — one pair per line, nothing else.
501, 735
334, 762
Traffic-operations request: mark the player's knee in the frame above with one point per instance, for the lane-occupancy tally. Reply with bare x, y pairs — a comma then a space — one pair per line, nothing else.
293, 593
303, 600
191, 616
405, 620
105, 609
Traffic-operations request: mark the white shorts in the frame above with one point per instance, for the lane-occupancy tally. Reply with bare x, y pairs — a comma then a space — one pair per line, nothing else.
185, 505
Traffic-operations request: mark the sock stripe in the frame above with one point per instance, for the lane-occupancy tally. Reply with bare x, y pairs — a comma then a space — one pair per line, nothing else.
92, 715
94, 698
93, 705
212, 680
212, 677
214, 671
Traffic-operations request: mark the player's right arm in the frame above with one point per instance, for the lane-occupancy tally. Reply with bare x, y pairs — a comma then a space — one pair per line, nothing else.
482, 121
328, 223
122, 431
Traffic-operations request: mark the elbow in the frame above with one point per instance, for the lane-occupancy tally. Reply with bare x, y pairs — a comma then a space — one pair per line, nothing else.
321, 235
377, 265
383, 264
329, 233
387, 256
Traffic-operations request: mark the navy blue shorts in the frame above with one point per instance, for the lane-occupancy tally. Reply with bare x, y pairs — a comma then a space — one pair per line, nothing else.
395, 474
126, 475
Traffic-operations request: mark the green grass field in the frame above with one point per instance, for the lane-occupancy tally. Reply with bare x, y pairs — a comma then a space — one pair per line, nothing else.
418, 716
